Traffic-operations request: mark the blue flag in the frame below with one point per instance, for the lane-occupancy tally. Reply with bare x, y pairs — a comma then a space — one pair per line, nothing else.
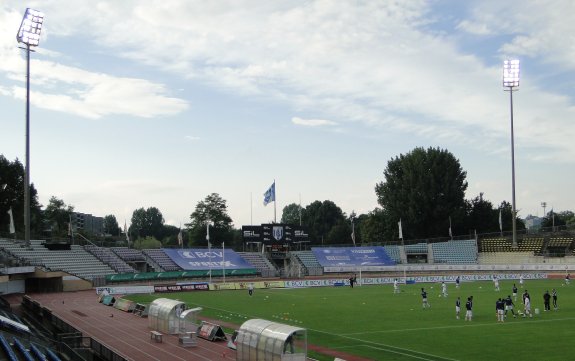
270, 194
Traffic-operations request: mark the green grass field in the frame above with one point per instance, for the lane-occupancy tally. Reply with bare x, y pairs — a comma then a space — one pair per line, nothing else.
372, 322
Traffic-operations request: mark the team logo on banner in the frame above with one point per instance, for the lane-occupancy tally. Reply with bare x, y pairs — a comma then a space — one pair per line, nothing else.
278, 233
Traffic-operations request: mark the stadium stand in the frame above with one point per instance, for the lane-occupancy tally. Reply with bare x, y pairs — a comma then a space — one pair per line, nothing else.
107, 256
161, 259
418, 248
10, 354
504, 258
455, 252
560, 242
309, 262
22, 350
394, 252
534, 245
76, 261
129, 254
261, 263
495, 245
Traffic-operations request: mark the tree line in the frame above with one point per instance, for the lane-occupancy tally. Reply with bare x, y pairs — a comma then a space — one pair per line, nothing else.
424, 188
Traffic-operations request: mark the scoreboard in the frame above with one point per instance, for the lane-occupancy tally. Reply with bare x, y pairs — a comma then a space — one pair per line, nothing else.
275, 233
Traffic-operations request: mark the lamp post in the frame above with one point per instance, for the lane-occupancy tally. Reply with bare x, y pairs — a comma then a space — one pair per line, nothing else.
511, 81
544, 205
29, 35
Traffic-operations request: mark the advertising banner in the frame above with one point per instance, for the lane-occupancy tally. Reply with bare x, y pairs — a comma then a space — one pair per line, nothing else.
124, 290
352, 256
202, 259
181, 288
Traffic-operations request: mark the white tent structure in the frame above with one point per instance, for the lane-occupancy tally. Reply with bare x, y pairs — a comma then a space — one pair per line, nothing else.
262, 340
164, 315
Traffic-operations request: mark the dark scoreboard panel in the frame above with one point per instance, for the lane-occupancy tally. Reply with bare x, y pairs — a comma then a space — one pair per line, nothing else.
275, 233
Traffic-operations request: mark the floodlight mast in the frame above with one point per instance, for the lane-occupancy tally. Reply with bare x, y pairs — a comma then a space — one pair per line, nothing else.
29, 34
510, 81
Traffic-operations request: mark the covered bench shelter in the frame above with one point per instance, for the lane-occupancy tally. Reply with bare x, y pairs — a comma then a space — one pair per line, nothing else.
164, 315
262, 340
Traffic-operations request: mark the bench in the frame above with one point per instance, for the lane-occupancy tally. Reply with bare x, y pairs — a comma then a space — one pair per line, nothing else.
156, 336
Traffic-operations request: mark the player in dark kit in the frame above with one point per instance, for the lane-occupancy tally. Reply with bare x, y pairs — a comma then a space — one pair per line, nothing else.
509, 306
514, 292
547, 301
469, 309
424, 299
554, 295
499, 307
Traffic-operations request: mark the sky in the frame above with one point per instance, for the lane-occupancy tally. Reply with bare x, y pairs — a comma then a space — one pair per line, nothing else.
150, 103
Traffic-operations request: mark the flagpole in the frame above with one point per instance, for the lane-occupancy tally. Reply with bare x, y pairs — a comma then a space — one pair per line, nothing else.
224, 262
275, 201
209, 249
251, 210
300, 209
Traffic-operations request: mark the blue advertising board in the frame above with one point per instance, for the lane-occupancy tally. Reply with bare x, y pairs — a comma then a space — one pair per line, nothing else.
203, 259
352, 256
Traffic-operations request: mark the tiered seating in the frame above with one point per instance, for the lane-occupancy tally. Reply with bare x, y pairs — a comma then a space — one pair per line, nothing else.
129, 254
394, 253
107, 256
417, 248
76, 261
560, 242
504, 258
455, 252
495, 245
161, 259
7, 349
309, 261
260, 262
534, 245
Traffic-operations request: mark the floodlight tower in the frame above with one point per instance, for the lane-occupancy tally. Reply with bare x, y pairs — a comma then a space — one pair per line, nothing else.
29, 34
510, 82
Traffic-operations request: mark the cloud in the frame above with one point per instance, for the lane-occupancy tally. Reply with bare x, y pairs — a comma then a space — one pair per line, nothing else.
373, 63
312, 122
190, 137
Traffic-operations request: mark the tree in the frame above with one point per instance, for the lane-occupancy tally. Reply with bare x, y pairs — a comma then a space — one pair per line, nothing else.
320, 217
58, 215
111, 225
212, 210
506, 211
12, 196
482, 217
424, 188
377, 227
147, 223
291, 214
553, 219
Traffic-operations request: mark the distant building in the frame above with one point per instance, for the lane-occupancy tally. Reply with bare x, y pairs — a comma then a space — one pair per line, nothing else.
88, 223
533, 223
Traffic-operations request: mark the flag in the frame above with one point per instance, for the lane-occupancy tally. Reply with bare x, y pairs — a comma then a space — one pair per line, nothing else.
180, 238
70, 230
500, 223
400, 231
12, 229
353, 233
270, 194
553, 222
208, 234
126, 233
450, 234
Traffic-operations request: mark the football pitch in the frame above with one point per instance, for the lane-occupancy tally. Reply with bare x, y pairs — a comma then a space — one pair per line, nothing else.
373, 322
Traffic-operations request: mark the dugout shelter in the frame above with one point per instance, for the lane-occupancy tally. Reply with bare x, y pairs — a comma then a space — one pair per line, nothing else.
164, 315
262, 340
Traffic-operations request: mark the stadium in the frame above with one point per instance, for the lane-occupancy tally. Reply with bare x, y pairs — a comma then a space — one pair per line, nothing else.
85, 302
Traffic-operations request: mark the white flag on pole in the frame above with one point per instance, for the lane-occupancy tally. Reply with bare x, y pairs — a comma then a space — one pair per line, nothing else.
400, 231
500, 222
180, 238
12, 228
450, 234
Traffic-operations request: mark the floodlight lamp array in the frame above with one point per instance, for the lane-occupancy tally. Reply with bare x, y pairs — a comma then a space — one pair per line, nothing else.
31, 27
511, 73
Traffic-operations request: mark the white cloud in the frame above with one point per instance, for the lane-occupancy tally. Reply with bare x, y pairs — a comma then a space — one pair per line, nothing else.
312, 122
191, 137
474, 27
